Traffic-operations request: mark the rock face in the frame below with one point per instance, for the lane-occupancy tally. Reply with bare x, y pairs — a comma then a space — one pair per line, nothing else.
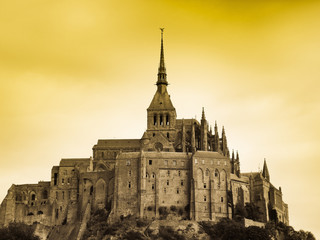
180, 169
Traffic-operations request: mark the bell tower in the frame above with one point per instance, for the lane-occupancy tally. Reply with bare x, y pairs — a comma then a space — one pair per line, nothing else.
161, 113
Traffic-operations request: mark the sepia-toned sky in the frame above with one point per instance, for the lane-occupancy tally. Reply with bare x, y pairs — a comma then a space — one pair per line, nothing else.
73, 72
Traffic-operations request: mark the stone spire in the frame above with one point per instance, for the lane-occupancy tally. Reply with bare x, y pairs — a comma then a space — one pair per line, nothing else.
162, 74
203, 115
265, 171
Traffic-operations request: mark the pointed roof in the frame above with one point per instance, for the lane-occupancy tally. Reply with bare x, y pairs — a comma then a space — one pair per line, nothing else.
265, 171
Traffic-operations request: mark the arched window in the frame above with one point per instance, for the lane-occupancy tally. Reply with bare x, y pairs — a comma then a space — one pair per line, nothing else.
33, 197
161, 120
167, 120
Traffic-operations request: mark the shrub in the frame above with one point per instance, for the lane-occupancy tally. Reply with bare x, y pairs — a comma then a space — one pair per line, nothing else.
133, 235
18, 231
167, 232
163, 212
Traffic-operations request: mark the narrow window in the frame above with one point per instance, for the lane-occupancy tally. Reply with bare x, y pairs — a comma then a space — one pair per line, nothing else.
181, 182
155, 119
69, 194
204, 198
150, 162
152, 187
33, 197
62, 180
102, 154
153, 134
178, 190
167, 120
168, 173
221, 199
55, 179
63, 195
161, 120
168, 135
153, 175
167, 182
179, 173
204, 185
129, 185
165, 190
216, 174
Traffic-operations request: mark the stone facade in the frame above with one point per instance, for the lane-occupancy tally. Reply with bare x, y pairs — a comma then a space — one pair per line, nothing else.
179, 165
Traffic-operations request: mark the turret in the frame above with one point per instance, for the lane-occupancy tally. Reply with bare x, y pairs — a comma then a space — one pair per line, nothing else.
204, 132
224, 146
265, 171
216, 138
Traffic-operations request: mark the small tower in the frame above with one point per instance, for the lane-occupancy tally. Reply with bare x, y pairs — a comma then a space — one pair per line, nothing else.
204, 132
161, 113
265, 171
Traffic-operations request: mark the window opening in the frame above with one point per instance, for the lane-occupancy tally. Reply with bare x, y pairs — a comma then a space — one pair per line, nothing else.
150, 162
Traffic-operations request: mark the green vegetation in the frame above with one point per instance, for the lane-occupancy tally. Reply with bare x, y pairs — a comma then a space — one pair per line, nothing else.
18, 231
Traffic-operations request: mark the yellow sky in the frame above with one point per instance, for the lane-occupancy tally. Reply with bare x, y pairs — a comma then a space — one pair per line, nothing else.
72, 72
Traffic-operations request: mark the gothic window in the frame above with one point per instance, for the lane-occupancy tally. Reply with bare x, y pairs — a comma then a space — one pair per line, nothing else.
129, 185
167, 182
155, 119
153, 175
62, 181
181, 182
33, 197
161, 120
221, 199
167, 120
168, 135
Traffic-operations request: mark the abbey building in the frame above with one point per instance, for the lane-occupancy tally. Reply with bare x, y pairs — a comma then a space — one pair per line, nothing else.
179, 165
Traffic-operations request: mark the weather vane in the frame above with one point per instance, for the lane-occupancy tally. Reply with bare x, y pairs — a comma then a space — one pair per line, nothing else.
161, 30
